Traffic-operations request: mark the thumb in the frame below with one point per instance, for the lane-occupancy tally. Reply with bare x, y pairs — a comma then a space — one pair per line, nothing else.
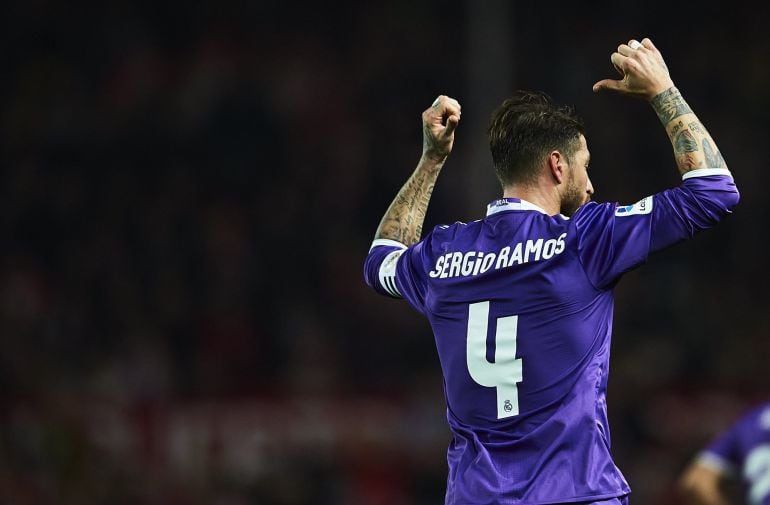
451, 123
607, 84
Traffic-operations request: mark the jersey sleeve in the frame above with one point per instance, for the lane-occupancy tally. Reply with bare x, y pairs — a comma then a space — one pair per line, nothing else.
614, 239
723, 454
393, 269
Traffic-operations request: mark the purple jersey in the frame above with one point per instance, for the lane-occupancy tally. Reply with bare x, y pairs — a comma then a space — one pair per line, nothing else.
743, 451
521, 305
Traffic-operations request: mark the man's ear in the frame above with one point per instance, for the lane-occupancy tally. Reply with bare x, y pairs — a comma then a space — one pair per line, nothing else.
557, 166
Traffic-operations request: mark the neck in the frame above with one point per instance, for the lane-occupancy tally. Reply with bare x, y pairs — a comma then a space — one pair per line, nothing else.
545, 198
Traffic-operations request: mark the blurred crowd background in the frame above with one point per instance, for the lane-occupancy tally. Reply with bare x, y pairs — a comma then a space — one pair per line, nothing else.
187, 194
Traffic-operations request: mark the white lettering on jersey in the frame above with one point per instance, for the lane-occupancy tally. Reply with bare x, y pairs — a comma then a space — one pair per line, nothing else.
502, 258
472, 263
457, 259
467, 267
478, 266
643, 206
533, 248
516, 258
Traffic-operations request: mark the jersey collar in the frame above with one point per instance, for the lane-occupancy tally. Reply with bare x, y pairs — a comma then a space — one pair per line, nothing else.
511, 204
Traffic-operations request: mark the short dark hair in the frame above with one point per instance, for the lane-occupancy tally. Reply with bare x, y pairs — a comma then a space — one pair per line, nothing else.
524, 129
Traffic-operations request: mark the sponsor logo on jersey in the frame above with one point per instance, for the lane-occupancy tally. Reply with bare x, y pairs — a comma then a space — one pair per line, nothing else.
641, 207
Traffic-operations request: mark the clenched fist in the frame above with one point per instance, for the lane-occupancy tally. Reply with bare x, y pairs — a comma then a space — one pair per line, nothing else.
439, 122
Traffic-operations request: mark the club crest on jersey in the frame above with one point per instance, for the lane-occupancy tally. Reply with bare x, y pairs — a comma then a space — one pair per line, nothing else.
643, 206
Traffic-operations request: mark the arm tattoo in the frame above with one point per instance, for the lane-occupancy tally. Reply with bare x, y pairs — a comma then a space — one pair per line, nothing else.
404, 219
676, 128
684, 147
693, 146
697, 127
685, 143
669, 105
714, 158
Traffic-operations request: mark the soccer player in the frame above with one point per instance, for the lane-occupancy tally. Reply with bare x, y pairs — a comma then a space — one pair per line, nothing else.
741, 453
521, 302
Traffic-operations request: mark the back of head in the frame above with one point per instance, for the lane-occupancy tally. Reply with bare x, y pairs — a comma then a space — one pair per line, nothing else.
524, 129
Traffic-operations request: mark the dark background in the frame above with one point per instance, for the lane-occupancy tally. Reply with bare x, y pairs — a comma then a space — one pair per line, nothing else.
187, 194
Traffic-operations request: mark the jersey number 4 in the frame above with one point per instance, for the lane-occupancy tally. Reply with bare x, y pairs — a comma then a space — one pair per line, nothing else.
506, 371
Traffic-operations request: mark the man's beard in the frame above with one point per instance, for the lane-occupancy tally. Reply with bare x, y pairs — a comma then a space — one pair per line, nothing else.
573, 198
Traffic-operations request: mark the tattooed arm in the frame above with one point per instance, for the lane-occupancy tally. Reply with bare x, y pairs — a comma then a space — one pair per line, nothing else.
693, 146
404, 218
645, 75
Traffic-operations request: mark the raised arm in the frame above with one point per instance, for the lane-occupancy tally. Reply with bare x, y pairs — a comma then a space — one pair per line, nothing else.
404, 218
706, 195
645, 75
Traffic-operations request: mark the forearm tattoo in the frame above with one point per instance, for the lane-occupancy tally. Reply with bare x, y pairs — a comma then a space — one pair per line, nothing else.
684, 147
404, 219
685, 143
714, 158
693, 146
669, 105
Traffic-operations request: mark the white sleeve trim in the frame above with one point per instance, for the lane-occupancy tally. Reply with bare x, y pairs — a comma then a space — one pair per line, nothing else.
715, 462
388, 242
388, 273
705, 172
